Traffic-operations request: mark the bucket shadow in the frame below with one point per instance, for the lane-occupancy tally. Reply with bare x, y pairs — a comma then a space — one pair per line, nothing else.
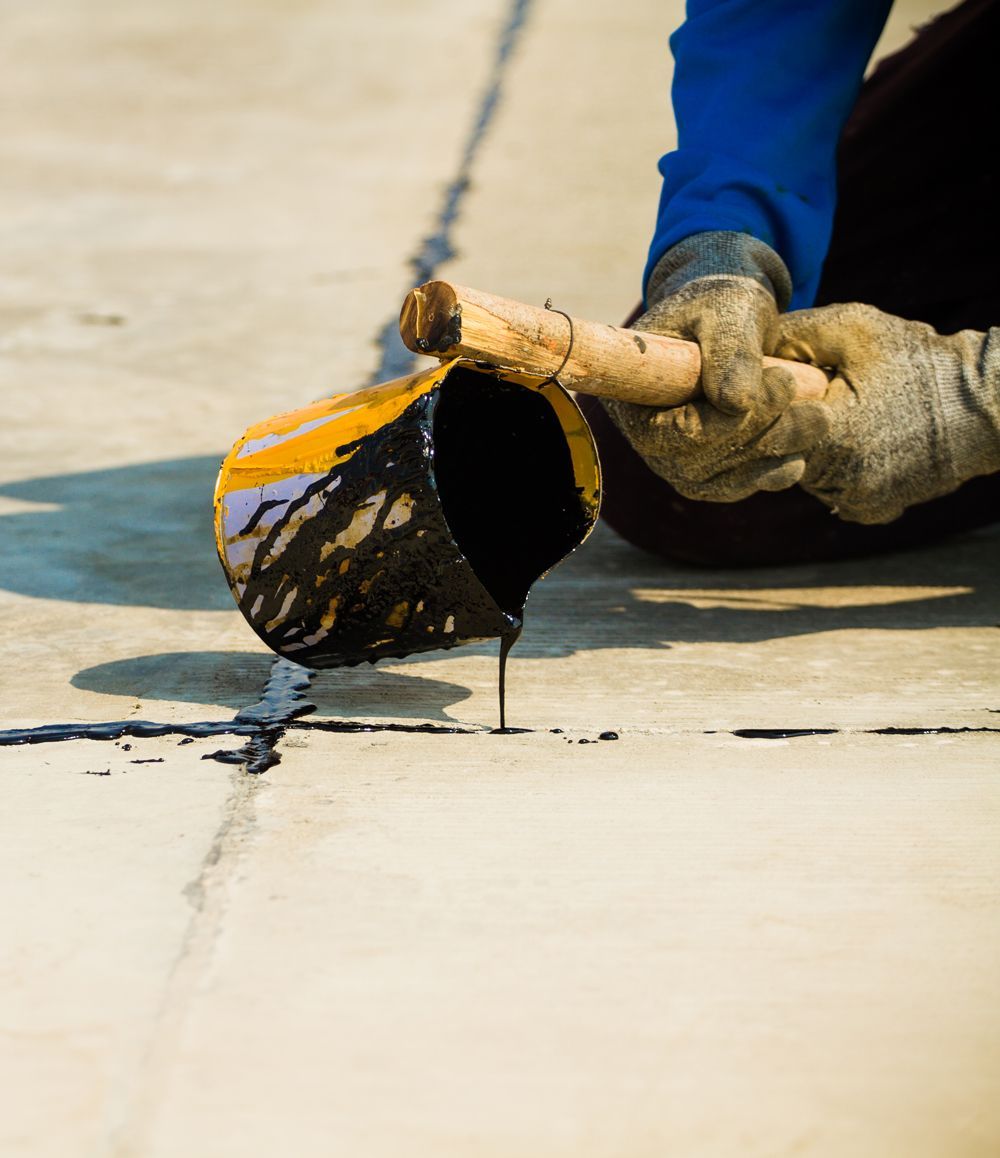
137, 535
233, 679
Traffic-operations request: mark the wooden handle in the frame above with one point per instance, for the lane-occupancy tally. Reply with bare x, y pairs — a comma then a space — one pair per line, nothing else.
451, 321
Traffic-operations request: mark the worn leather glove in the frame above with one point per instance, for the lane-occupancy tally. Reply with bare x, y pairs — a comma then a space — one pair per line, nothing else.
913, 413
723, 290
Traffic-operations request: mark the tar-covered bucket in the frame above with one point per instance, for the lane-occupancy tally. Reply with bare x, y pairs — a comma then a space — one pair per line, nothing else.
405, 517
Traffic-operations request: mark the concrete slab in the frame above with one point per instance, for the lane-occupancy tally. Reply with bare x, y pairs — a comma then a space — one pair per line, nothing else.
682, 940
684, 944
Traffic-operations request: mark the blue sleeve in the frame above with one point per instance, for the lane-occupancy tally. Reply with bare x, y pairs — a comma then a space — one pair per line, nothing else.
761, 91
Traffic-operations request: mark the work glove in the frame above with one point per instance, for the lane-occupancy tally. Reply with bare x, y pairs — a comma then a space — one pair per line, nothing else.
723, 290
913, 413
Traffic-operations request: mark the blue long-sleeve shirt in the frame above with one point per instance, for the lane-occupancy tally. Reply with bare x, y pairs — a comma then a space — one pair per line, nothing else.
761, 91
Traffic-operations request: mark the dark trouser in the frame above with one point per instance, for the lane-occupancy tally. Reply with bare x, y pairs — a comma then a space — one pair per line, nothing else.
914, 234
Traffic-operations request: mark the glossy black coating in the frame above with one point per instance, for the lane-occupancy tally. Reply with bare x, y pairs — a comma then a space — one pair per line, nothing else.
780, 733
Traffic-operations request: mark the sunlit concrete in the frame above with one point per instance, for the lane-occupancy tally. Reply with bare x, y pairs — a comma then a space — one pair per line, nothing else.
677, 942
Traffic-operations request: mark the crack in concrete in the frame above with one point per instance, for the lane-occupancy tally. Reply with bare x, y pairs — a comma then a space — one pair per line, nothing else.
262, 723
281, 701
207, 894
262, 739
117, 729
436, 248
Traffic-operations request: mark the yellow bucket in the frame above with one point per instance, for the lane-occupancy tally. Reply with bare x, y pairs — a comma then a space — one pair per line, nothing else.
405, 517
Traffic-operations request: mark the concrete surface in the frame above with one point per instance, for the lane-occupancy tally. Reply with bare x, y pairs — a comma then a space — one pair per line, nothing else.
680, 942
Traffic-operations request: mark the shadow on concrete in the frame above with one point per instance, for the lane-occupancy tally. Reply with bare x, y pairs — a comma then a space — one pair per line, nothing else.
611, 595
134, 535
627, 598
141, 535
231, 680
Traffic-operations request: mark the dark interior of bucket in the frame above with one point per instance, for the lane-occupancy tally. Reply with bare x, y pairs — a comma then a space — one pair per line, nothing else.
505, 479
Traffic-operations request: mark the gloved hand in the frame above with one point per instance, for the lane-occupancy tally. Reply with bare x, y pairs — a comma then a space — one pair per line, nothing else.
913, 413
723, 290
